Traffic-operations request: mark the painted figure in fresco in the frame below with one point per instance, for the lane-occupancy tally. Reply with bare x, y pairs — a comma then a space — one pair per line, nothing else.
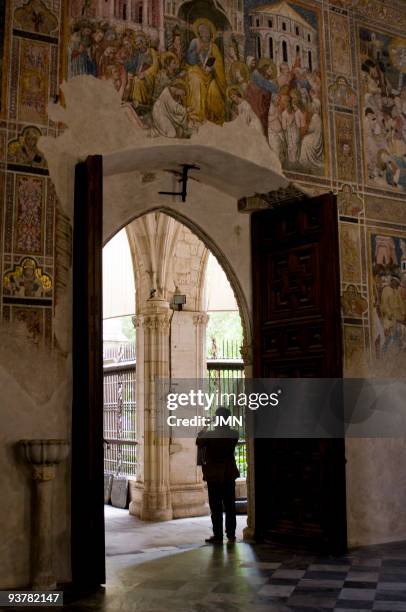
206, 74
243, 109
27, 280
176, 45
377, 326
142, 70
285, 75
349, 203
385, 251
302, 84
251, 63
375, 140
395, 169
23, 150
393, 311
108, 58
260, 89
169, 114
311, 152
292, 132
239, 75
167, 74
276, 134
81, 60
353, 304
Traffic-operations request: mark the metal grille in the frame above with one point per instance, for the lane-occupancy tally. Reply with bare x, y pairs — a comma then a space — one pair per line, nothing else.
119, 414
225, 370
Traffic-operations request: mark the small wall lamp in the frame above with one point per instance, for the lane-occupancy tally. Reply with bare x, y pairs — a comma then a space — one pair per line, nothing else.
178, 300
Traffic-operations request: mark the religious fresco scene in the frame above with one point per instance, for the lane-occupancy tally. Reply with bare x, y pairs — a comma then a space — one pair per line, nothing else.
388, 254
210, 61
383, 67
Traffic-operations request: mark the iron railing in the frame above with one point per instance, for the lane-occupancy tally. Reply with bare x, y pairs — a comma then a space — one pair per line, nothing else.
119, 410
225, 370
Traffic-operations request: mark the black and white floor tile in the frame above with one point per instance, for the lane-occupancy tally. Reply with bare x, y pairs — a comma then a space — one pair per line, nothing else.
254, 578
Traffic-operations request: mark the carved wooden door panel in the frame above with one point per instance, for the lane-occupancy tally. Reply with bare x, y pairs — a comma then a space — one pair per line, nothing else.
299, 483
87, 506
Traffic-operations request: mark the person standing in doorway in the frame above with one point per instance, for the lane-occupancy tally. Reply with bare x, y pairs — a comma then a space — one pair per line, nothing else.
216, 454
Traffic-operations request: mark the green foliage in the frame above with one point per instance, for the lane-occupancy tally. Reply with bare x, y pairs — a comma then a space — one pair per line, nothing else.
128, 328
223, 326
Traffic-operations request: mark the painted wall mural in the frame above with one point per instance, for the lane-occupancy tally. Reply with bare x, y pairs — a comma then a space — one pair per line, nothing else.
388, 284
179, 64
383, 68
27, 280
35, 16
34, 82
3, 54
28, 234
23, 150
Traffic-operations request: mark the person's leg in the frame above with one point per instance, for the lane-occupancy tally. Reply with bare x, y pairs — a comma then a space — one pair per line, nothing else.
229, 507
216, 508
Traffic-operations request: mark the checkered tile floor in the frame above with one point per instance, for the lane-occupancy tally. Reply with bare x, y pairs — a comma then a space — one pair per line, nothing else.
370, 578
349, 583
259, 578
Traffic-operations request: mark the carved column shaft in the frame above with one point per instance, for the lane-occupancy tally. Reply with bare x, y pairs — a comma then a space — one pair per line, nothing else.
153, 487
43, 577
189, 496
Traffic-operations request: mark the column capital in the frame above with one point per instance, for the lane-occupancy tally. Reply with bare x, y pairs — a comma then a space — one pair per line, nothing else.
156, 315
200, 318
155, 322
246, 353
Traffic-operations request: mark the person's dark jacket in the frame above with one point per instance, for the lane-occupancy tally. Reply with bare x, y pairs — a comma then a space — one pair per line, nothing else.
216, 452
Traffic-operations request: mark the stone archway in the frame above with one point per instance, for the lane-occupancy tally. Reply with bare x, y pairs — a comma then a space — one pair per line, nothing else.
229, 271
164, 489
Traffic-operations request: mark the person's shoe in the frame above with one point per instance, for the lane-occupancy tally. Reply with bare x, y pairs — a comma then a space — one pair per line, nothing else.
231, 539
214, 540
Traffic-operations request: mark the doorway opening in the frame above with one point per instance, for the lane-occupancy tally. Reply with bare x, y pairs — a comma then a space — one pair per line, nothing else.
153, 258
294, 250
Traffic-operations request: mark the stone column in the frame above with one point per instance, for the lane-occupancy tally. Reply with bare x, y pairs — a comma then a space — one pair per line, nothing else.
151, 494
43, 577
43, 455
189, 496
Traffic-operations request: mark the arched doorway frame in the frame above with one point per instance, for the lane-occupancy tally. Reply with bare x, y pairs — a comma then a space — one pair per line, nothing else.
232, 177
246, 321
142, 262
214, 248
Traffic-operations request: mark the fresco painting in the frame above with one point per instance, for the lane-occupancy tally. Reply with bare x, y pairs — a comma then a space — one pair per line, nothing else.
3, 55
383, 68
177, 65
388, 285
33, 85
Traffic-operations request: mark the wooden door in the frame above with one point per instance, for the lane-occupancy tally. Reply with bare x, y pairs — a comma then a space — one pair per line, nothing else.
299, 483
87, 508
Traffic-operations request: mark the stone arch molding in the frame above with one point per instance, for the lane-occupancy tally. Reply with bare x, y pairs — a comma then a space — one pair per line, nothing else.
235, 161
165, 248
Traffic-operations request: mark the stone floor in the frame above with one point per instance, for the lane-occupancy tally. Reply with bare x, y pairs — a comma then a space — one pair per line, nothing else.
175, 572
125, 534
